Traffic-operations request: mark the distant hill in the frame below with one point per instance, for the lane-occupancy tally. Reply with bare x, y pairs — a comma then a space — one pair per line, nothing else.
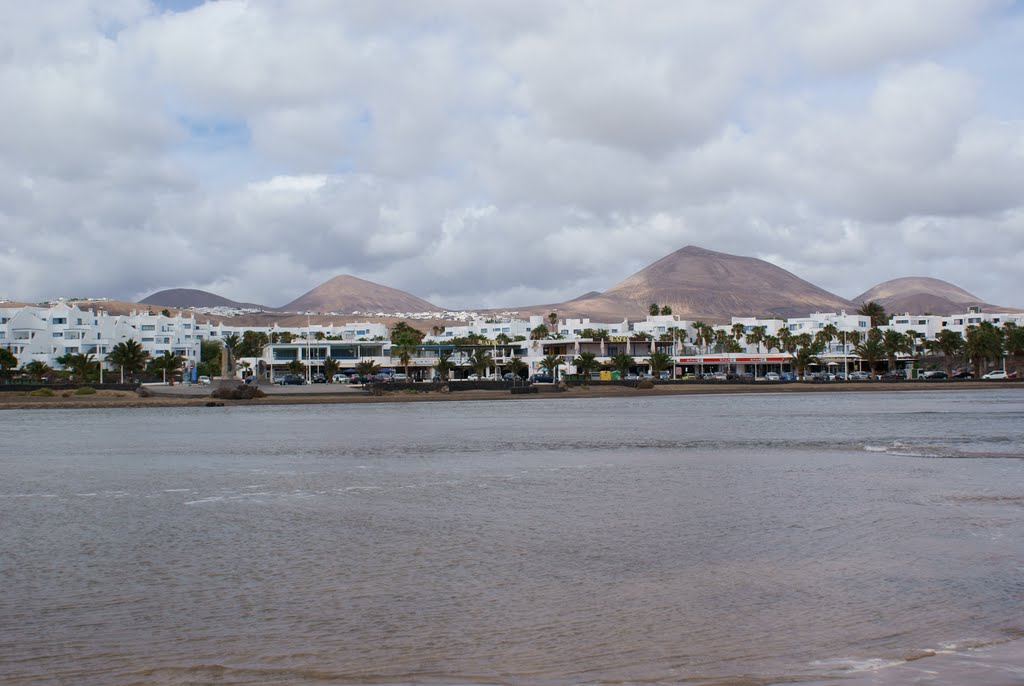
192, 297
702, 284
350, 294
922, 294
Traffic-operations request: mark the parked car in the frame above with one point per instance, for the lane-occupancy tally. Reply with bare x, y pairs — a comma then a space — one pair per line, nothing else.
933, 374
996, 374
788, 376
894, 375
398, 376
542, 378
292, 380
839, 376
964, 374
664, 375
340, 378
771, 376
319, 378
632, 377
720, 376
860, 376
203, 381
279, 377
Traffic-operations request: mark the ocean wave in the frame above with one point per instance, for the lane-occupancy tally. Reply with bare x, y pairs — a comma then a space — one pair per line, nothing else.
901, 449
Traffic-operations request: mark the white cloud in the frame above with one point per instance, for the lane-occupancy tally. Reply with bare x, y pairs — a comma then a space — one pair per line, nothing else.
501, 154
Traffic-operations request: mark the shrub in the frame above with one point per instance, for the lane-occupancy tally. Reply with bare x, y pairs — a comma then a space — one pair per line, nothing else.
85, 390
645, 384
240, 392
143, 392
42, 393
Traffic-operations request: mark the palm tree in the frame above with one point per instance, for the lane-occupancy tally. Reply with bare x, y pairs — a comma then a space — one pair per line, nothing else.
585, 364
169, 363
331, 367
553, 321
366, 369
444, 365
231, 343
806, 355
950, 344
296, 367
786, 342
653, 309
984, 343
539, 333
80, 364
871, 351
37, 369
8, 363
551, 364
129, 356
895, 343
722, 339
405, 355
480, 360
826, 335
771, 342
660, 361
1013, 343
516, 366
874, 311
698, 333
622, 364
737, 331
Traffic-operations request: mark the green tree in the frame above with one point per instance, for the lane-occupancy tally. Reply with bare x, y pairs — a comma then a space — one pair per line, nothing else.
983, 344
825, 335
130, 357
252, 344
405, 335
874, 311
622, 363
551, 363
585, 364
539, 333
1013, 343
8, 363
517, 367
231, 343
296, 367
405, 354
553, 321
653, 309
895, 343
285, 337
806, 354
168, 364
480, 360
502, 339
37, 369
949, 344
444, 365
209, 357
367, 368
331, 367
660, 361
666, 310
81, 365
737, 330
756, 336
871, 351
699, 328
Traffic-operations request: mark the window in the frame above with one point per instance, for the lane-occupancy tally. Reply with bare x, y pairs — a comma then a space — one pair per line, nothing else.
57, 320
148, 327
58, 334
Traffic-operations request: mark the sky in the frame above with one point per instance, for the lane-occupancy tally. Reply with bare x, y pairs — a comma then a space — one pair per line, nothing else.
507, 152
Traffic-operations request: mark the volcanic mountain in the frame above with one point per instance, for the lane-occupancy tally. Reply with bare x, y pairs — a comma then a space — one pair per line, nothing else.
922, 294
346, 294
703, 284
192, 297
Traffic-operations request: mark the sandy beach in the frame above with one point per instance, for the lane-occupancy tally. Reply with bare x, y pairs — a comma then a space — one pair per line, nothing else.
198, 396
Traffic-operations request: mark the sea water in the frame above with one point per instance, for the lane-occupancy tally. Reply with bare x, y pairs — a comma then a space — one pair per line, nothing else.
730, 539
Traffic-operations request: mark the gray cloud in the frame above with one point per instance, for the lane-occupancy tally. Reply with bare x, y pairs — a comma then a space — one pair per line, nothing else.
504, 154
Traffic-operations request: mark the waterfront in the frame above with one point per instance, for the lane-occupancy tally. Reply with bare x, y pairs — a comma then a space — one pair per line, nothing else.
727, 538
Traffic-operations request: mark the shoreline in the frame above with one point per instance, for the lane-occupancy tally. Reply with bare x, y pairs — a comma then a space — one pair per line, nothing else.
130, 399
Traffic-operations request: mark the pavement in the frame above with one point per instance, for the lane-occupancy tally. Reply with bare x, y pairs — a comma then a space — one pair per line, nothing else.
199, 390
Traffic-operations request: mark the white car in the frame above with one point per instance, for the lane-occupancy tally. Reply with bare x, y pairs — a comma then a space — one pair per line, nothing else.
203, 381
771, 376
996, 374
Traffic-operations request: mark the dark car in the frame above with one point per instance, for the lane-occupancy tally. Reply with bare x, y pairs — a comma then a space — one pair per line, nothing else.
934, 375
292, 380
964, 375
319, 378
542, 378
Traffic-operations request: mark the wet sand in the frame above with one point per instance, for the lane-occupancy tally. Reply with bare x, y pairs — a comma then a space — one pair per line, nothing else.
196, 396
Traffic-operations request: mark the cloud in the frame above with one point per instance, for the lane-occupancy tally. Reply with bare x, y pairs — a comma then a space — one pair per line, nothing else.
497, 155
